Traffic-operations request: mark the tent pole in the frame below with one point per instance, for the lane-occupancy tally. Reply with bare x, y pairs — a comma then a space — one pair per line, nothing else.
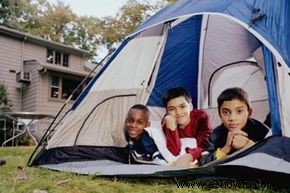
272, 92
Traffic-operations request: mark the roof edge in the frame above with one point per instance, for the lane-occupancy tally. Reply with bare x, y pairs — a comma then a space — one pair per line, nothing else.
39, 41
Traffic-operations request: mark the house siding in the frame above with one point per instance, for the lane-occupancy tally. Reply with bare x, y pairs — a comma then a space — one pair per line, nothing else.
76, 63
18, 54
30, 90
34, 52
48, 104
10, 59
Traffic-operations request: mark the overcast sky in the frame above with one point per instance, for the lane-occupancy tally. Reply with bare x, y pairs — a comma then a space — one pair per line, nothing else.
98, 8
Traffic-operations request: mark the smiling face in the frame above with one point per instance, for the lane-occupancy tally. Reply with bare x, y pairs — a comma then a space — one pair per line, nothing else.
136, 121
180, 108
234, 114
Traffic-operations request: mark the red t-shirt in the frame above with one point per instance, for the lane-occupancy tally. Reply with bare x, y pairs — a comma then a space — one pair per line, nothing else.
198, 128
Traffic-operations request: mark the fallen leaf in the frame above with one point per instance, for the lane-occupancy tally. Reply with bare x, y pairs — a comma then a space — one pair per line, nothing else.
39, 191
62, 182
21, 176
20, 166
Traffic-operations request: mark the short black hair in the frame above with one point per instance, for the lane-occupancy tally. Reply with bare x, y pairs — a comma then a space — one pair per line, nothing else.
174, 93
142, 107
231, 94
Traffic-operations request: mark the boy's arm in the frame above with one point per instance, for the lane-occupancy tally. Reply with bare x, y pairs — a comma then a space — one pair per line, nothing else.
221, 153
207, 157
170, 130
211, 147
173, 142
214, 149
203, 129
195, 152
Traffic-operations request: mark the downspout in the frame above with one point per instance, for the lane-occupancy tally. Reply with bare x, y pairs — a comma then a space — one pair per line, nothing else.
22, 52
40, 76
22, 69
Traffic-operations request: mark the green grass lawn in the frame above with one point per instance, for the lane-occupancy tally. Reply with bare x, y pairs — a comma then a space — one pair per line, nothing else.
61, 182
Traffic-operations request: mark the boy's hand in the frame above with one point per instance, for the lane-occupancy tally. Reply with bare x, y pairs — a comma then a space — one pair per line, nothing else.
239, 141
184, 161
170, 122
230, 139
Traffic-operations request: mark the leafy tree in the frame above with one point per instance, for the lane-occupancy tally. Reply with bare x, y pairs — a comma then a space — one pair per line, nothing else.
129, 17
55, 23
58, 23
5, 103
9, 11
18, 12
47, 20
4, 10
84, 33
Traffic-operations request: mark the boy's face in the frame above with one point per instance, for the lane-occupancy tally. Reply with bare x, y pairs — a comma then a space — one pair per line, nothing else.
234, 114
136, 121
180, 109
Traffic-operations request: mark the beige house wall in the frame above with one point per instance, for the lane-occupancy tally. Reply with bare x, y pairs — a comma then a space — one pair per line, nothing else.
47, 104
18, 54
10, 60
30, 90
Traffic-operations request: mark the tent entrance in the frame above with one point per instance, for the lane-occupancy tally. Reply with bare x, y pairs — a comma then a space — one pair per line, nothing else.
207, 54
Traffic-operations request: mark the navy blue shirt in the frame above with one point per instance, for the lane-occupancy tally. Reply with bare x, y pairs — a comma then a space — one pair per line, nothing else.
144, 148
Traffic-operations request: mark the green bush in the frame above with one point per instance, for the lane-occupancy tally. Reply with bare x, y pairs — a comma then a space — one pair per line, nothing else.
5, 105
5, 102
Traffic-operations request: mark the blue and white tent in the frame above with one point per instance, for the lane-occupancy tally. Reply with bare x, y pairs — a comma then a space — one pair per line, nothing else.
202, 45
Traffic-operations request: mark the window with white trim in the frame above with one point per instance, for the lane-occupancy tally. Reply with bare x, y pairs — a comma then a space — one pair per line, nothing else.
62, 87
55, 87
56, 57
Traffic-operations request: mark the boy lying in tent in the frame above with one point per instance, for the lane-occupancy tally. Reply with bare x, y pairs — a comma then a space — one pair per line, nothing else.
148, 144
141, 146
237, 130
182, 121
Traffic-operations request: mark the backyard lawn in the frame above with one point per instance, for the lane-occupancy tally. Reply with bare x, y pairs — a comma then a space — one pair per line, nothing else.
16, 177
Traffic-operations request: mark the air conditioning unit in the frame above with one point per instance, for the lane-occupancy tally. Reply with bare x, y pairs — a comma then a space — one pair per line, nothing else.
23, 77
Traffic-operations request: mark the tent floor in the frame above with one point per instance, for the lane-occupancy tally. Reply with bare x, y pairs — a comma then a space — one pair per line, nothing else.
109, 168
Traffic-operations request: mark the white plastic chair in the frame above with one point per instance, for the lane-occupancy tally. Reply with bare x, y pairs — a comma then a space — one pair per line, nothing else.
18, 127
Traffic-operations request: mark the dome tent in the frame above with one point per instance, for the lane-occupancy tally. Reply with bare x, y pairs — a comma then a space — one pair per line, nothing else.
202, 45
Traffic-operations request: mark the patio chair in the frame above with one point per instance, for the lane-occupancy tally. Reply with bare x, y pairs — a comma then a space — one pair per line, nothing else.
18, 127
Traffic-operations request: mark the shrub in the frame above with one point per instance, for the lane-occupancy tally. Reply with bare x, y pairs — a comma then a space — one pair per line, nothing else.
5, 103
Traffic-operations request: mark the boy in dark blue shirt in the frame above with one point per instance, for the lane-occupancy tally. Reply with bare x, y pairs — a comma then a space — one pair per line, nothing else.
238, 130
141, 146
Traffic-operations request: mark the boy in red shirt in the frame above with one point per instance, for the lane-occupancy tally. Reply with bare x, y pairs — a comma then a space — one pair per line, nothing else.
182, 121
